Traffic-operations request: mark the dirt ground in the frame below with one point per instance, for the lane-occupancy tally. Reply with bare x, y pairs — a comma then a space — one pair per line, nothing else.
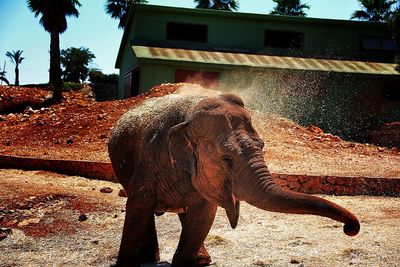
78, 129
33, 200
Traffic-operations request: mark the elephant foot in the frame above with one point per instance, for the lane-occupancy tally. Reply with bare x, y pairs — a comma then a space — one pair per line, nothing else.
202, 257
150, 256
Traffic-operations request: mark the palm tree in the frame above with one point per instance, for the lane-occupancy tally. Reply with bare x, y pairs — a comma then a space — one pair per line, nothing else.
119, 9
53, 19
229, 5
374, 10
3, 77
289, 8
15, 57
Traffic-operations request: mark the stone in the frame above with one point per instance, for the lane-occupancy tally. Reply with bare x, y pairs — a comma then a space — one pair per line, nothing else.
280, 182
292, 178
294, 185
4, 232
122, 193
28, 221
106, 190
82, 218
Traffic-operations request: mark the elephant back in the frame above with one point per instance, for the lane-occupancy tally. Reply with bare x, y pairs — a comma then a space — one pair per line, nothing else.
143, 129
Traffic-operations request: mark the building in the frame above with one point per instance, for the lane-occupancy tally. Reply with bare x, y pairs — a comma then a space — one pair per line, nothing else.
333, 73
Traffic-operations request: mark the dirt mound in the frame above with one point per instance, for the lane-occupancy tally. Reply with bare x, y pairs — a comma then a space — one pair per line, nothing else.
16, 99
387, 134
78, 129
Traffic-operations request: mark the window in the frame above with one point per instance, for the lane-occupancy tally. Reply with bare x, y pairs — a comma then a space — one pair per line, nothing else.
391, 91
284, 39
187, 32
378, 44
207, 79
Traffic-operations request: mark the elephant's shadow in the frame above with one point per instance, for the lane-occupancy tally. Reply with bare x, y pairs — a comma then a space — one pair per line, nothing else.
160, 264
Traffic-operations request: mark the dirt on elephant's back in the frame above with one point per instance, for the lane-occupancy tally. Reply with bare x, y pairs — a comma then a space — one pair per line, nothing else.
78, 129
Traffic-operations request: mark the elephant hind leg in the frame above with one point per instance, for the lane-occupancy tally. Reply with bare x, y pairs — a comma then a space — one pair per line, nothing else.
139, 215
149, 251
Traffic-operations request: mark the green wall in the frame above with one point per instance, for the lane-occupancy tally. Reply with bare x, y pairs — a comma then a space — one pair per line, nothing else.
231, 30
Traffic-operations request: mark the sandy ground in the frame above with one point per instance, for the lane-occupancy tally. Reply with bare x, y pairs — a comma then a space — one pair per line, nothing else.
34, 202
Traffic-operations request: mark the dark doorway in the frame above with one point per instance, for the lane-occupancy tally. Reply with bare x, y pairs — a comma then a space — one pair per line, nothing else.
132, 82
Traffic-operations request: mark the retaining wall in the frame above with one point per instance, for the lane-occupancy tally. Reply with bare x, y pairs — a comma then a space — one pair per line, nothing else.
312, 184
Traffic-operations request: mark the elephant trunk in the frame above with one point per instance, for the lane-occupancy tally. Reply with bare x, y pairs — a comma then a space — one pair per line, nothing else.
258, 190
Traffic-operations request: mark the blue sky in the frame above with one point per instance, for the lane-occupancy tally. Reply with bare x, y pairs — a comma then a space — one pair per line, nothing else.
94, 29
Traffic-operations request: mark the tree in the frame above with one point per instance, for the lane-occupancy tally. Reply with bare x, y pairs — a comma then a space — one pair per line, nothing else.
289, 8
75, 63
16, 59
53, 19
119, 9
229, 5
3, 77
96, 76
374, 10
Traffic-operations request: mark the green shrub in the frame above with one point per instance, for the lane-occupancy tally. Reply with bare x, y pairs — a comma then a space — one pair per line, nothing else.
96, 76
67, 86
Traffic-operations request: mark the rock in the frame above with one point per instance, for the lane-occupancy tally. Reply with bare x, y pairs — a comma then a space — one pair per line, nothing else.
28, 221
4, 232
29, 111
333, 138
82, 218
101, 117
11, 116
315, 129
122, 193
106, 190
294, 261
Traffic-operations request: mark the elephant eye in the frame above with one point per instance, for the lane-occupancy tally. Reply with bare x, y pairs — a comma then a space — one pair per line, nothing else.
228, 160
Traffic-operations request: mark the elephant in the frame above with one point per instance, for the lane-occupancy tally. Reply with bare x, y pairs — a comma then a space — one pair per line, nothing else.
190, 154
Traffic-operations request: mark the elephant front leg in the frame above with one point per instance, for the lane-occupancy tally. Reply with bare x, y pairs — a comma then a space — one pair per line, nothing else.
202, 257
137, 220
195, 227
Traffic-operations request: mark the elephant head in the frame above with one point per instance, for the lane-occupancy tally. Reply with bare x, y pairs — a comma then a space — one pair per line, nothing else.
219, 147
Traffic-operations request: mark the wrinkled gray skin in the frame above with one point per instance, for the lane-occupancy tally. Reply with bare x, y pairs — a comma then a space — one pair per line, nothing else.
196, 153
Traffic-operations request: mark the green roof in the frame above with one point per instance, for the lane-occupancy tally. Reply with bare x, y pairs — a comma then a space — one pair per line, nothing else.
146, 54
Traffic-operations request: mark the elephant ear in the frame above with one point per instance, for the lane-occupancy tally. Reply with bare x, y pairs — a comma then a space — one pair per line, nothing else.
231, 205
179, 147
